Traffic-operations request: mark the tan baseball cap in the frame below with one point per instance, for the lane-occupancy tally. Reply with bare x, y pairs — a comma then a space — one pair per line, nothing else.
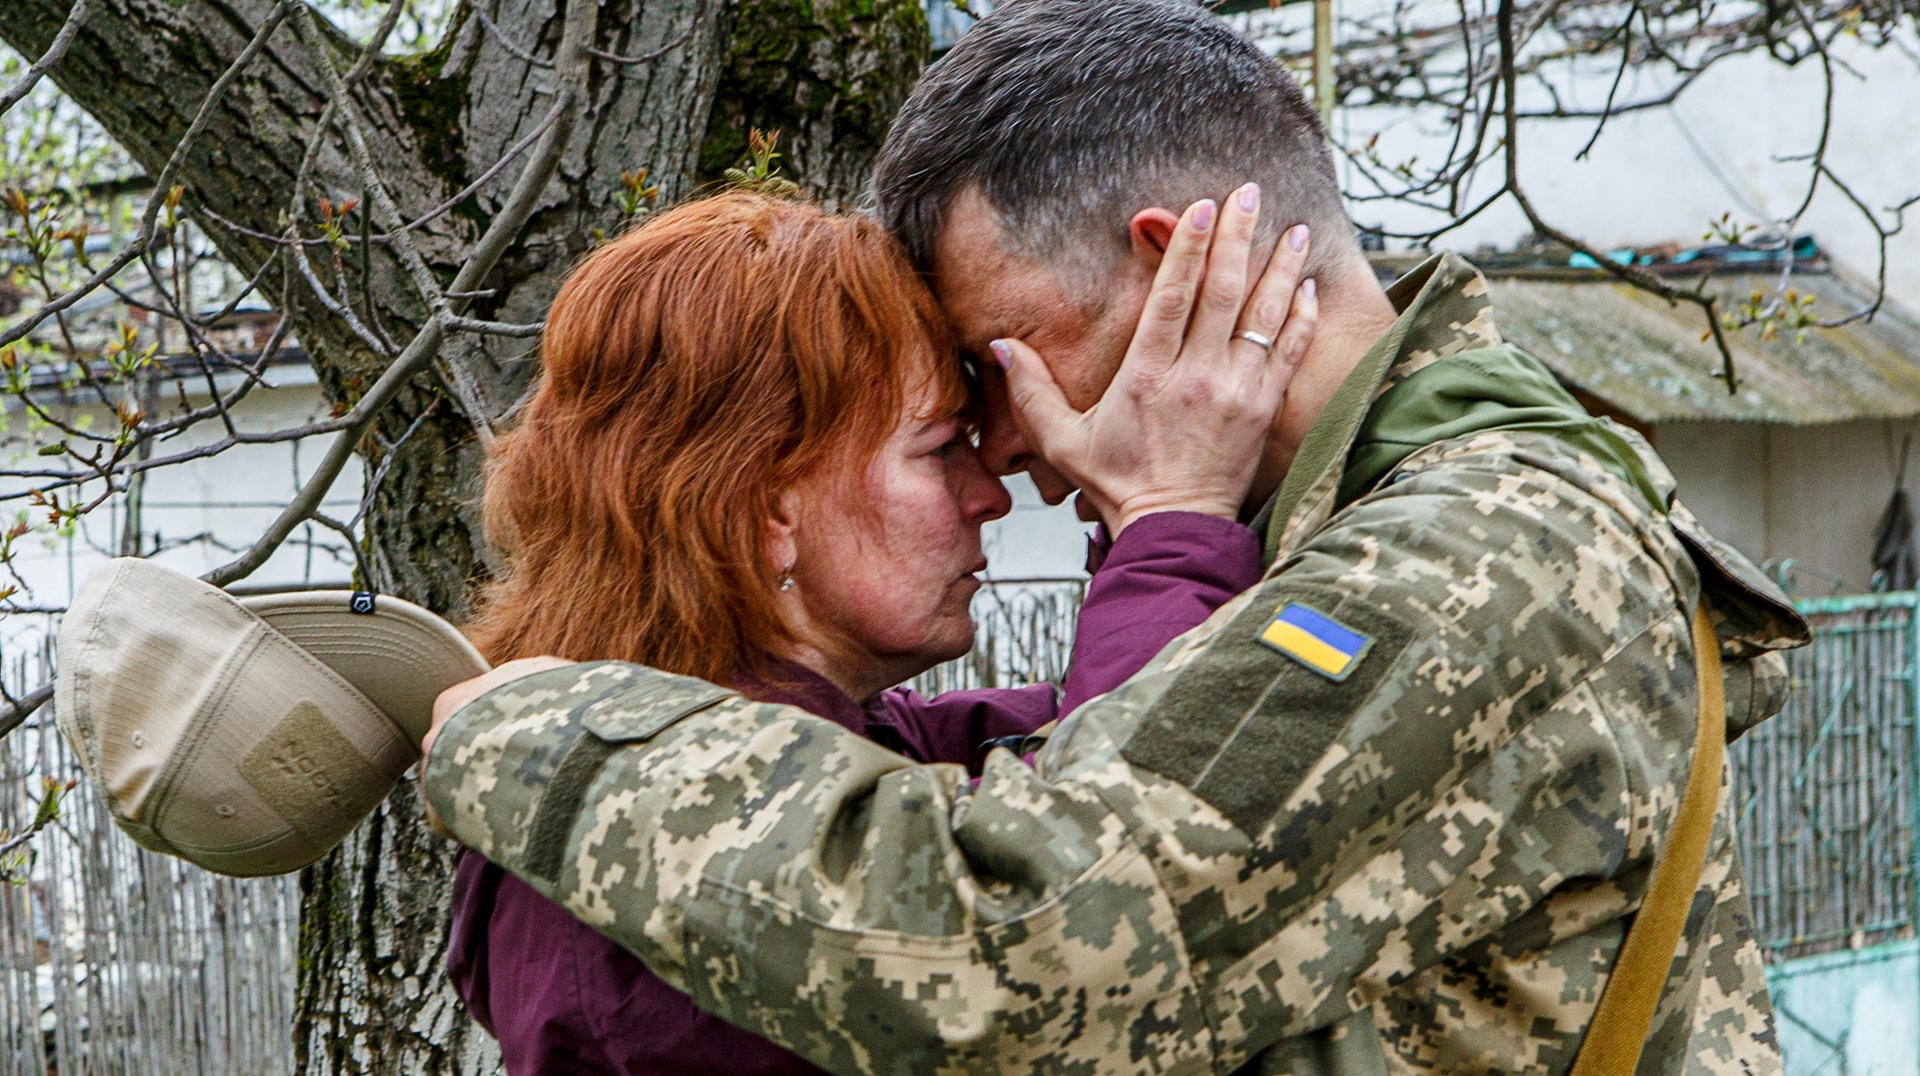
247, 735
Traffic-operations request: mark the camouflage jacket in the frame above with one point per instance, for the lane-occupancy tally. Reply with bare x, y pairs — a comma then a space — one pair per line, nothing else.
1389, 811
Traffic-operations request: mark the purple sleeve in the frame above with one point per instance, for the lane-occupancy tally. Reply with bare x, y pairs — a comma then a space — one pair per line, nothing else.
1165, 574
1161, 578
951, 726
559, 996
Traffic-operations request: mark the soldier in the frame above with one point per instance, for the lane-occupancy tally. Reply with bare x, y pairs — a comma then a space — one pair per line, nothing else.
1393, 809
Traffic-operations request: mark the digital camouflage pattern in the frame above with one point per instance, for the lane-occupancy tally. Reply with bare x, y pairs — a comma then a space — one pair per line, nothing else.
1231, 861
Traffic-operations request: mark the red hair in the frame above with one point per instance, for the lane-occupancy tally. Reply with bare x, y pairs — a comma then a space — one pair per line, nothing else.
692, 371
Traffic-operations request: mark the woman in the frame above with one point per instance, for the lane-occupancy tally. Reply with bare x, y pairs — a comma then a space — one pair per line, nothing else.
748, 460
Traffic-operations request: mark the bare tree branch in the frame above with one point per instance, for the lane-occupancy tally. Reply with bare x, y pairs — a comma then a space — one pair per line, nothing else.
162, 182
645, 58
572, 61
1639, 278
61, 41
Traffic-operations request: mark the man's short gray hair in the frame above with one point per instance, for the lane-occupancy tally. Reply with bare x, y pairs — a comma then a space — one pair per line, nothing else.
1072, 115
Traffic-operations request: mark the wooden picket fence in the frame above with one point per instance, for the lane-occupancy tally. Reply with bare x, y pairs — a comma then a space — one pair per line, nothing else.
117, 960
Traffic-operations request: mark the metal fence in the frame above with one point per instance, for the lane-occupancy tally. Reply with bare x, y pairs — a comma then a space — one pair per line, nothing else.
1826, 790
113, 959
1024, 635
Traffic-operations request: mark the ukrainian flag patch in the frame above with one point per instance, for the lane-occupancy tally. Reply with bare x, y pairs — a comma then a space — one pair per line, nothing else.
1316, 640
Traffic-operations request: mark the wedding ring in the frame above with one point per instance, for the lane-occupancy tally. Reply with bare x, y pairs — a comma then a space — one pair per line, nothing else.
1265, 342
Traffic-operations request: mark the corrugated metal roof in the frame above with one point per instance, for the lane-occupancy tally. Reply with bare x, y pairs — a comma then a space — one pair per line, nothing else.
1645, 357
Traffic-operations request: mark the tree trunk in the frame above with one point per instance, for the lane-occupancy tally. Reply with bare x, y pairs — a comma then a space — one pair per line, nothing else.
373, 993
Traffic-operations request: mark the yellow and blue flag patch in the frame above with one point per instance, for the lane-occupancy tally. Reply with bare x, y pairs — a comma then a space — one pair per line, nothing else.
1316, 640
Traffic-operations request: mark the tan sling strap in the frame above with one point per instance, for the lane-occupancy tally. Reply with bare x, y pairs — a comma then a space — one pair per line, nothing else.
1624, 1016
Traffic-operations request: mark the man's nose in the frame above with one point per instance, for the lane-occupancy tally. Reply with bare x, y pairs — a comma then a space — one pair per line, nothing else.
1003, 448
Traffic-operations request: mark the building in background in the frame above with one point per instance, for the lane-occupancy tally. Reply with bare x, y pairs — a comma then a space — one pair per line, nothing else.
1798, 467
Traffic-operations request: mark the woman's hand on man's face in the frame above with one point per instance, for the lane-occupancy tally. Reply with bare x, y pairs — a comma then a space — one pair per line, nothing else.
1185, 420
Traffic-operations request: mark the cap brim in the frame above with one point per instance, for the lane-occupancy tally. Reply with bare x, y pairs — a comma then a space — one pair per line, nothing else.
399, 655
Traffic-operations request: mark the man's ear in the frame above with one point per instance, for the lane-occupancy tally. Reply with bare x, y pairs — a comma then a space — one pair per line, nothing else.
1150, 231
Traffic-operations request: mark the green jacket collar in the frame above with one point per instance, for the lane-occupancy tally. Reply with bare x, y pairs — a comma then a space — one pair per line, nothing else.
1440, 371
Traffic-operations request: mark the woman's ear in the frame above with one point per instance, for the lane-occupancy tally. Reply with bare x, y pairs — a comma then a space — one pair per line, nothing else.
780, 534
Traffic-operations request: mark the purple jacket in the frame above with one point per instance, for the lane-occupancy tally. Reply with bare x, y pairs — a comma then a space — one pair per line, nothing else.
560, 997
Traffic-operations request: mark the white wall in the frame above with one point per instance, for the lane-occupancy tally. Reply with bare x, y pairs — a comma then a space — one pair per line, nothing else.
1036, 540
1813, 494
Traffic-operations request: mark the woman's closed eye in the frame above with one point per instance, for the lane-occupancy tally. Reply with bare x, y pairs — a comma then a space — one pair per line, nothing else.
942, 438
